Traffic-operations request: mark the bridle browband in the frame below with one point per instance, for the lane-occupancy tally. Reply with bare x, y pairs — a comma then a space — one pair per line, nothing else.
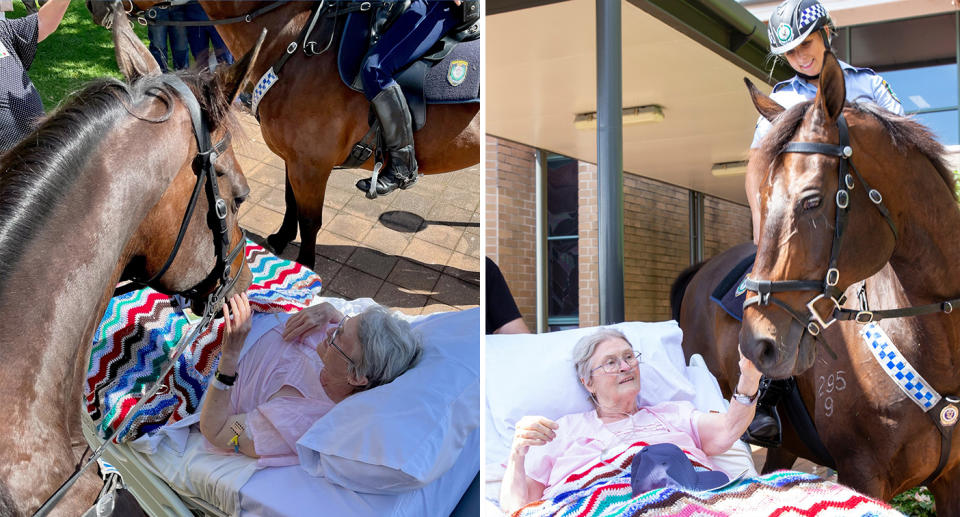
812, 321
204, 166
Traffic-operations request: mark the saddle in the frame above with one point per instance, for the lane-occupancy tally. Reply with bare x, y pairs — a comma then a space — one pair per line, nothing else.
449, 73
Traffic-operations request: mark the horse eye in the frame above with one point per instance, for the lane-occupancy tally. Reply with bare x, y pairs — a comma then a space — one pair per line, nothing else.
811, 202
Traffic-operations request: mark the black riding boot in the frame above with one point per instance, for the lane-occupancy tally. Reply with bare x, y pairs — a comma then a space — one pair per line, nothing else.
401, 170
765, 428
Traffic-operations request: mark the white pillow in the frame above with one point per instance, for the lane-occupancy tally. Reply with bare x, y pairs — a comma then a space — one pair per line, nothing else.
403, 435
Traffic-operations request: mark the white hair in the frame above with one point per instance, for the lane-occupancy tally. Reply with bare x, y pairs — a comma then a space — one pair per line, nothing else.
390, 347
588, 345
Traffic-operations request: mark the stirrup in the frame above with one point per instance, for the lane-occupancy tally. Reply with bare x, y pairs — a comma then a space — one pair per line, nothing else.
372, 192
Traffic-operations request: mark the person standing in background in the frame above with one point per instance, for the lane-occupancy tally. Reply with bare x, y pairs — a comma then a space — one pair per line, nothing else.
20, 103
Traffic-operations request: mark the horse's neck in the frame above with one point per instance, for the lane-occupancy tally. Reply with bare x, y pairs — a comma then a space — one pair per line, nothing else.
281, 25
926, 264
51, 303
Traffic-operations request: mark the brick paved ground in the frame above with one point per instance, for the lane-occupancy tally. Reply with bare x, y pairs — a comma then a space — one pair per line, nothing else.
416, 250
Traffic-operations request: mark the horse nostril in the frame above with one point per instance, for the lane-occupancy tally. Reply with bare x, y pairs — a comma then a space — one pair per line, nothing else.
766, 350
237, 201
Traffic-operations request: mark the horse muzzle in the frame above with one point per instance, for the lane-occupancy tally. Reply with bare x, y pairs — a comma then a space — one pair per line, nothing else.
778, 349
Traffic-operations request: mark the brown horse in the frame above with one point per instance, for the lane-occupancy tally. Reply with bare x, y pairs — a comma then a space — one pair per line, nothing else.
311, 119
881, 441
94, 196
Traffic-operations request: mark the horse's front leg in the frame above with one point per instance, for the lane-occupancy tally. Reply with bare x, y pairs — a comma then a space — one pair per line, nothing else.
946, 490
288, 228
309, 185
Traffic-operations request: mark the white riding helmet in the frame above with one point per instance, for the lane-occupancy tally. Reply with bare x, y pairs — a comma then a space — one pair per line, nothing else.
792, 21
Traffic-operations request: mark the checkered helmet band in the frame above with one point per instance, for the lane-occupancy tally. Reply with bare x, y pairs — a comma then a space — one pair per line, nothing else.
792, 21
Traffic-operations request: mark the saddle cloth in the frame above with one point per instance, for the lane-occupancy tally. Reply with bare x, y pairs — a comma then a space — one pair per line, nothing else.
731, 292
453, 80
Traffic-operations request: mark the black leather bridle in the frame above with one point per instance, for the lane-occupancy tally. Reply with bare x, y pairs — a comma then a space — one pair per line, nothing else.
812, 321
204, 166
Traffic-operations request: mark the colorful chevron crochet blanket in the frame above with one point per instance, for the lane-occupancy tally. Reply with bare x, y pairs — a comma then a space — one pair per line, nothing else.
603, 489
141, 328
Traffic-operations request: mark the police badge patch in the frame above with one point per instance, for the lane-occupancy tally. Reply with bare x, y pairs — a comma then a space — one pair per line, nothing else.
457, 72
742, 288
784, 33
890, 90
948, 416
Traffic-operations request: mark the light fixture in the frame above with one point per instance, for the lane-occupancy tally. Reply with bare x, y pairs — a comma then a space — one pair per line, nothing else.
633, 115
729, 168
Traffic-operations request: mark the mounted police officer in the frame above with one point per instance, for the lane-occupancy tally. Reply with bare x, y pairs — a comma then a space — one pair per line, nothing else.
800, 31
410, 36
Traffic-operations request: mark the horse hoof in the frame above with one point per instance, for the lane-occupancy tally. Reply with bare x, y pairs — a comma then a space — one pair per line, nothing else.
276, 244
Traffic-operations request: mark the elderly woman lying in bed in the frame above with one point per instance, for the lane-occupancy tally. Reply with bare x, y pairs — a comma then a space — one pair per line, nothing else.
544, 452
262, 404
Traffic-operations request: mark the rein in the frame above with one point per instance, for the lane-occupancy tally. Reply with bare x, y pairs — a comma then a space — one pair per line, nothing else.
812, 321
204, 165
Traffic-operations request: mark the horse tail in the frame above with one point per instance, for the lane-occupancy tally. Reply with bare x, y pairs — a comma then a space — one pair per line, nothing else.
679, 287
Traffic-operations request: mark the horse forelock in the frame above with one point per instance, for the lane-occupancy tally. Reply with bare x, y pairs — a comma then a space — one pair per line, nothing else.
905, 133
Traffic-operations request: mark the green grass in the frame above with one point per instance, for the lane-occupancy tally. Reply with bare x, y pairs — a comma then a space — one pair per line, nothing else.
76, 53
916, 502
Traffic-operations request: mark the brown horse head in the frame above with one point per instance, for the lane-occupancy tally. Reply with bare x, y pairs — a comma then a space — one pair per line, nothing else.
799, 202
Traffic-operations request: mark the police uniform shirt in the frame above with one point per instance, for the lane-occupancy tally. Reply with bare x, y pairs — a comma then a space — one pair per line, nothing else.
20, 104
863, 85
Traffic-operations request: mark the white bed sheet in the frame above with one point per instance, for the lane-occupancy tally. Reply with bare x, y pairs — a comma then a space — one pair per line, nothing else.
290, 491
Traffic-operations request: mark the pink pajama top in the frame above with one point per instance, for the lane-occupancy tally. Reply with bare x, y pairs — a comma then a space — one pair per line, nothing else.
582, 438
276, 425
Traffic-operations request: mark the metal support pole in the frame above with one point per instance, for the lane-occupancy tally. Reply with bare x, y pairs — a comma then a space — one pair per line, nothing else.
541, 244
610, 160
696, 227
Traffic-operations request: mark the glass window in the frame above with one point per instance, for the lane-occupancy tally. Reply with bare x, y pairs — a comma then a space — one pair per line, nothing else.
924, 88
563, 274
944, 124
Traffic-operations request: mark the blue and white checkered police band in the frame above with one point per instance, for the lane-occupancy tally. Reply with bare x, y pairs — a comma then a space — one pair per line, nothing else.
792, 21
899, 369
266, 81
811, 15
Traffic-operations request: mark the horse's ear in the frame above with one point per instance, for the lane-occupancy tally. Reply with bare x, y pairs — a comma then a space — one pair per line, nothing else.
767, 107
133, 58
232, 78
832, 92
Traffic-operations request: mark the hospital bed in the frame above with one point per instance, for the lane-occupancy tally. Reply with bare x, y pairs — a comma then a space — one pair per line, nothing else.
410, 447
534, 375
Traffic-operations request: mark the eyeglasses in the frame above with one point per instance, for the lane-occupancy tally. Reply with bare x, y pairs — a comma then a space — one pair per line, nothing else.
611, 364
333, 338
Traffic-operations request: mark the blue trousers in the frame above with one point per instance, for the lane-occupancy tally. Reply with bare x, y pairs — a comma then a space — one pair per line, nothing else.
201, 38
158, 35
410, 36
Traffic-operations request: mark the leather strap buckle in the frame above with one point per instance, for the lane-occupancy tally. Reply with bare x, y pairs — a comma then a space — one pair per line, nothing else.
816, 316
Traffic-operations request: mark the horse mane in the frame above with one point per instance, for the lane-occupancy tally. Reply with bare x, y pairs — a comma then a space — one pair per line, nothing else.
904, 132
37, 173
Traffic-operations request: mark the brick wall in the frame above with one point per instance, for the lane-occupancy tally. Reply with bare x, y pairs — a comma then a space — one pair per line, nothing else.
656, 245
725, 225
511, 219
588, 245
656, 233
